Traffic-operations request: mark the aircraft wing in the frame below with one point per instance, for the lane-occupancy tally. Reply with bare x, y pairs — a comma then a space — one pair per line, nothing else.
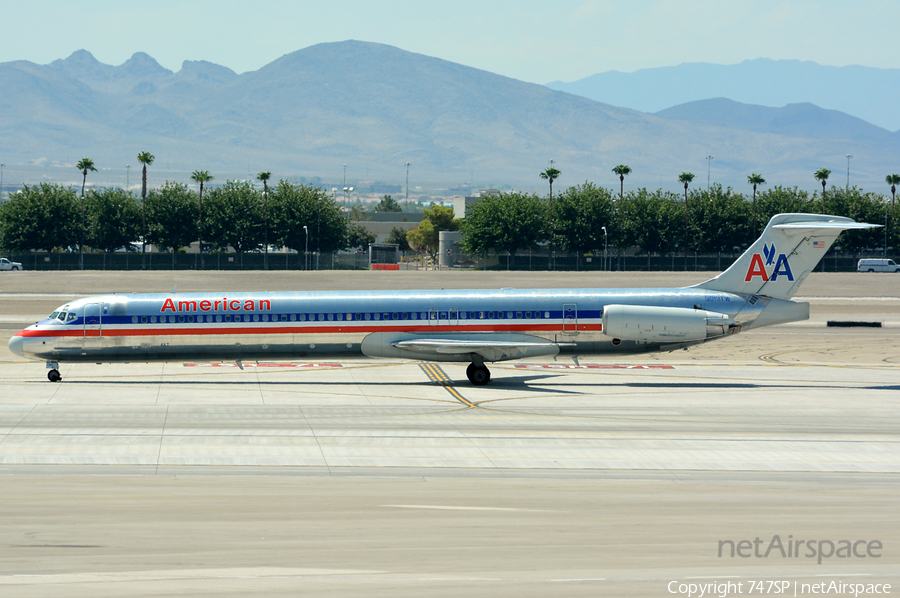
490, 350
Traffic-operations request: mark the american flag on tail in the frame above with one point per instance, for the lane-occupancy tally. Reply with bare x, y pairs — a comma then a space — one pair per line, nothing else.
819, 244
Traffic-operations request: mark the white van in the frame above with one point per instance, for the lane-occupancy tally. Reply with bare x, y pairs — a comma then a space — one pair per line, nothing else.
878, 266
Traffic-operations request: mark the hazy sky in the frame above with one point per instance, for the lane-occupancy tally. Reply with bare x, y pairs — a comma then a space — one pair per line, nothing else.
529, 40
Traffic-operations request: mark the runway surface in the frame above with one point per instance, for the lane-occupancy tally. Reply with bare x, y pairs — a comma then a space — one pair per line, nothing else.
400, 478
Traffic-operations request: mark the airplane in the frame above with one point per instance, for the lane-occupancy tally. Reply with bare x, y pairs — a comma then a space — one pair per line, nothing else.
473, 326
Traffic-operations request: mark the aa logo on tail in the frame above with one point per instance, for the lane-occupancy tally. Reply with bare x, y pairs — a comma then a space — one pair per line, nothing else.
757, 268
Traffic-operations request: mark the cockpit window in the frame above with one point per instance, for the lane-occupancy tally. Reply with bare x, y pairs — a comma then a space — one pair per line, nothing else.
62, 316
53, 315
71, 317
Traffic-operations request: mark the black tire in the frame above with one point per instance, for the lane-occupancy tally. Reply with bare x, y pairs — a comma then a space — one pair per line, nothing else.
15, 267
478, 375
54, 376
870, 270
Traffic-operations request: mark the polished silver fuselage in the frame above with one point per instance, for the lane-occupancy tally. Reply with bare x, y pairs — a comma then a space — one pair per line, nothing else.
321, 325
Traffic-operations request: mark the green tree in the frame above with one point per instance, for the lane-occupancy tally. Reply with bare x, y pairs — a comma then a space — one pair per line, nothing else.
862, 207
580, 214
40, 217
550, 174
397, 236
264, 177
755, 179
85, 165
234, 217
722, 222
686, 178
508, 223
893, 180
425, 238
295, 206
358, 236
388, 204
114, 219
821, 175
171, 217
146, 159
649, 220
202, 177
622, 170
782, 200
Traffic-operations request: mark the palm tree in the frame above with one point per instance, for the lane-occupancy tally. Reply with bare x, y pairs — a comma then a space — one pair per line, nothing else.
822, 176
84, 165
686, 178
145, 158
201, 176
755, 179
264, 177
893, 180
550, 174
622, 170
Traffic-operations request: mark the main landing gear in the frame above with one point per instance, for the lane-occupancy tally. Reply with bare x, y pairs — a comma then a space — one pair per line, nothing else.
54, 376
478, 374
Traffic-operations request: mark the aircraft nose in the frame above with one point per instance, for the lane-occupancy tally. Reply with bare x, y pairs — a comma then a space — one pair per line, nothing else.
15, 345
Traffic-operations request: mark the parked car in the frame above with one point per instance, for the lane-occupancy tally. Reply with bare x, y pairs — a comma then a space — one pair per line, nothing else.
878, 266
5, 264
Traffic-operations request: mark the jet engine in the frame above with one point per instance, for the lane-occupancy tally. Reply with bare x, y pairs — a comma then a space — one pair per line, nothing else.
664, 324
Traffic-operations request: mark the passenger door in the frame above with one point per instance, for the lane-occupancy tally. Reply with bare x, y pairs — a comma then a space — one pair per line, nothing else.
93, 325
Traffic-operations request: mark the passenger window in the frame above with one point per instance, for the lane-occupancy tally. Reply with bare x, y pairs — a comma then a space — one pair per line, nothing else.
191, 319
509, 315
228, 318
143, 319
321, 317
218, 318
368, 316
181, 319
490, 315
284, 317
330, 317
527, 315
546, 314
518, 315
134, 320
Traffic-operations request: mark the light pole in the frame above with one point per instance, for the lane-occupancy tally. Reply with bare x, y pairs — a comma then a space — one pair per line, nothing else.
848, 170
127, 176
709, 160
1, 180
407, 186
605, 248
306, 249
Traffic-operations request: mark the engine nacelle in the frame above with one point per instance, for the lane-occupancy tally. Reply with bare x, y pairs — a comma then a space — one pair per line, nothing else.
664, 324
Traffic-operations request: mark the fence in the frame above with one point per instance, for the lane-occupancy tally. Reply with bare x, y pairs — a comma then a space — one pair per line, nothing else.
42, 261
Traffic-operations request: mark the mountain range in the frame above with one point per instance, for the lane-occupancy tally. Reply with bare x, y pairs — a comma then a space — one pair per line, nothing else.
375, 107
865, 92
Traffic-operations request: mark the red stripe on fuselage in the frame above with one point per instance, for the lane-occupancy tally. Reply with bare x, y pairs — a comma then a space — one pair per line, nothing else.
348, 328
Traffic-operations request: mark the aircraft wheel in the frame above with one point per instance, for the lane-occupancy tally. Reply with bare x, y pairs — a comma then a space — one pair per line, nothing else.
54, 376
478, 375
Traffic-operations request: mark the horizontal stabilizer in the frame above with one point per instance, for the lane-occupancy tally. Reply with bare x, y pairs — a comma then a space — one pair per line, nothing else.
783, 256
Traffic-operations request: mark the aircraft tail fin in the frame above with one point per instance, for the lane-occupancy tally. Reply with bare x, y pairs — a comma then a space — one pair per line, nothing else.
783, 256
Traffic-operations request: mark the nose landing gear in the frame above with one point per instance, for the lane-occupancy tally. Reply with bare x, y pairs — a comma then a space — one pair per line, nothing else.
54, 376
478, 374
